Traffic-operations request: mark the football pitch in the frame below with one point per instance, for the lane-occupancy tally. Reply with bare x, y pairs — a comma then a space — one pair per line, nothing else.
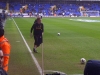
79, 38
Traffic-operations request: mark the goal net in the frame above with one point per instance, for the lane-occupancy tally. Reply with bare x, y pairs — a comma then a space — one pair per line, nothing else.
90, 13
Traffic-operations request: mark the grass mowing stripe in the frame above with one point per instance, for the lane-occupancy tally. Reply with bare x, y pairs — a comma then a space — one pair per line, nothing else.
87, 29
20, 62
35, 60
63, 52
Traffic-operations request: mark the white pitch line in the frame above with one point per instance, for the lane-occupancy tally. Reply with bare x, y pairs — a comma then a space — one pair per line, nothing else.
33, 57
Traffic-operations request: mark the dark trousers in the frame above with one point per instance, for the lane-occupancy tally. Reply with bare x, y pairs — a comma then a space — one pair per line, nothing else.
38, 40
92, 67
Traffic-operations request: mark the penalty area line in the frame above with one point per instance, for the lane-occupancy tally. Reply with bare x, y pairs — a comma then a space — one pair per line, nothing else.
32, 55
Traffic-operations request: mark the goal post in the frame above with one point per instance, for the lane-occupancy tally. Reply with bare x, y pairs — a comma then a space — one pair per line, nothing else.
90, 13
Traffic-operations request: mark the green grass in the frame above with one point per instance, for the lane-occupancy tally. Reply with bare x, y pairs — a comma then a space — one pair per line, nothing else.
61, 53
20, 62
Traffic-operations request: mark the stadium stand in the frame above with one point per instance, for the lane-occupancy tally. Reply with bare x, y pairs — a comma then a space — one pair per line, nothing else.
67, 8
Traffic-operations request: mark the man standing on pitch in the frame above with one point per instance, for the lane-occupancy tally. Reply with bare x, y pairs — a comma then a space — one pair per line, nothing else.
38, 29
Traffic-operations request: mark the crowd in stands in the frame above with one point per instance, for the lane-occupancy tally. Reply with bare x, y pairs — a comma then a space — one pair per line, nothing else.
3, 17
70, 8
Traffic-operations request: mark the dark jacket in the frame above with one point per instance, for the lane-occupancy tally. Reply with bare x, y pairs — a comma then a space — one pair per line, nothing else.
37, 29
